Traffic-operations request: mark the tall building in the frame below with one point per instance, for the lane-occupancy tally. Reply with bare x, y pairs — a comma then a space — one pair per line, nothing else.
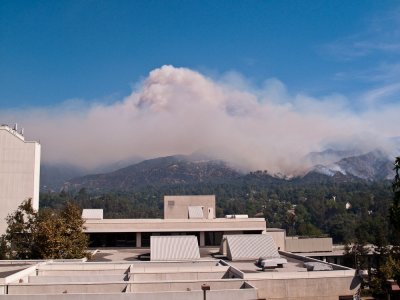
19, 172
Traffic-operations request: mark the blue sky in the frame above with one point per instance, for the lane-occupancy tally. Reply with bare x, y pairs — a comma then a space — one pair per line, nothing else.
257, 83
52, 51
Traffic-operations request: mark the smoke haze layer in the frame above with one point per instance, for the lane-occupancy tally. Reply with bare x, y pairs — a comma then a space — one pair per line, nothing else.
181, 111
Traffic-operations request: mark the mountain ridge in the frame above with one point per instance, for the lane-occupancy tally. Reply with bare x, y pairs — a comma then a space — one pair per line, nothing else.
178, 169
192, 169
373, 165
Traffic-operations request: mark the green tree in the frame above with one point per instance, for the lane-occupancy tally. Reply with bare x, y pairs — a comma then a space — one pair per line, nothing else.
387, 259
394, 261
75, 241
49, 234
20, 231
3, 248
49, 237
395, 208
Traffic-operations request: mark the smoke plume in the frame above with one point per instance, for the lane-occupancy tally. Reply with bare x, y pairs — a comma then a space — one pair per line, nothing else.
180, 111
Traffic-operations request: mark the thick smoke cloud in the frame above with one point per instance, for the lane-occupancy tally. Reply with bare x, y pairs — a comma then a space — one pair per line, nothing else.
180, 111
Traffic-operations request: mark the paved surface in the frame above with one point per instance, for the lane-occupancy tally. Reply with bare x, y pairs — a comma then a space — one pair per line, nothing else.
293, 265
134, 254
119, 254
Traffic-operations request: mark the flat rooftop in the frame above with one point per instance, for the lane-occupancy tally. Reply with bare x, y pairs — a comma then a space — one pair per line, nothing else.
138, 254
8, 268
248, 267
122, 273
295, 262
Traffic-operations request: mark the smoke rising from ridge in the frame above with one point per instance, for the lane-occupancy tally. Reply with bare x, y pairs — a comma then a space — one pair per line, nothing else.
180, 111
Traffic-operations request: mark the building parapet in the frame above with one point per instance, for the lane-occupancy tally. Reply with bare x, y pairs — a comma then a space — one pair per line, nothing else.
173, 225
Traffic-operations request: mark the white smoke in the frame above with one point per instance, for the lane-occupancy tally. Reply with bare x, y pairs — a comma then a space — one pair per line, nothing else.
180, 111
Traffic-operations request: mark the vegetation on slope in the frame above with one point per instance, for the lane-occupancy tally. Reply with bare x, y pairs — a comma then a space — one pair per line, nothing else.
312, 205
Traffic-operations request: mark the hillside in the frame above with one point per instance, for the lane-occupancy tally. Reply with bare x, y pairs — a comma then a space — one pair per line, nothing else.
353, 198
169, 170
373, 165
192, 170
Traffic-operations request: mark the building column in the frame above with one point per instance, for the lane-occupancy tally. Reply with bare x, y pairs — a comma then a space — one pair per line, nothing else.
138, 239
202, 239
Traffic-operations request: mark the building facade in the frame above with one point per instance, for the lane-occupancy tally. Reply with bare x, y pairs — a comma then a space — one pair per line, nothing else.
183, 215
19, 172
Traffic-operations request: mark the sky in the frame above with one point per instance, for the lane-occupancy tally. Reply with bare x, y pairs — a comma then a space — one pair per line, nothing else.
260, 83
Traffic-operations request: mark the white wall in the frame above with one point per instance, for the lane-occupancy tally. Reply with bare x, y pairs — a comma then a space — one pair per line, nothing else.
294, 244
19, 173
176, 207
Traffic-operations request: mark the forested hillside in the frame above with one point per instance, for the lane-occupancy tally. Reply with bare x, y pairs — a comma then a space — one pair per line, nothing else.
344, 207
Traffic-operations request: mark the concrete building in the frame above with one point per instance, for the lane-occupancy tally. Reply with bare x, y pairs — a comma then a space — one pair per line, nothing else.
19, 172
189, 207
318, 248
244, 264
183, 215
122, 276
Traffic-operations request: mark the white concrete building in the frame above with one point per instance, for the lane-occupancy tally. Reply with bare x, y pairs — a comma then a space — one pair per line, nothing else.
130, 278
183, 215
19, 172
179, 269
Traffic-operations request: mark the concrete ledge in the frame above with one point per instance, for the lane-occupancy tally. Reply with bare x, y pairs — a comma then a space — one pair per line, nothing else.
21, 275
60, 288
243, 294
296, 244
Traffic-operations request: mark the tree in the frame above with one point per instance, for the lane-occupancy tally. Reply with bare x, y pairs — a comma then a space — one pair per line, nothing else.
50, 234
394, 261
75, 240
3, 248
395, 208
48, 238
20, 231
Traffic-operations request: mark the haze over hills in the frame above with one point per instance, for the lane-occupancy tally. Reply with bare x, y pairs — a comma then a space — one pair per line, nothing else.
374, 165
192, 169
330, 156
179, 169
53, 176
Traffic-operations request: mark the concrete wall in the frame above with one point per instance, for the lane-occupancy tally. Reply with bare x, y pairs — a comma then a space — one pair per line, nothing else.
176, 207
302, 288
137, 277
295, 244
325, 285
143, 287
174, 225
19, 172
21, 275
92, 269
59, 288
76, 286
243, 294
76, 278
278, 235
